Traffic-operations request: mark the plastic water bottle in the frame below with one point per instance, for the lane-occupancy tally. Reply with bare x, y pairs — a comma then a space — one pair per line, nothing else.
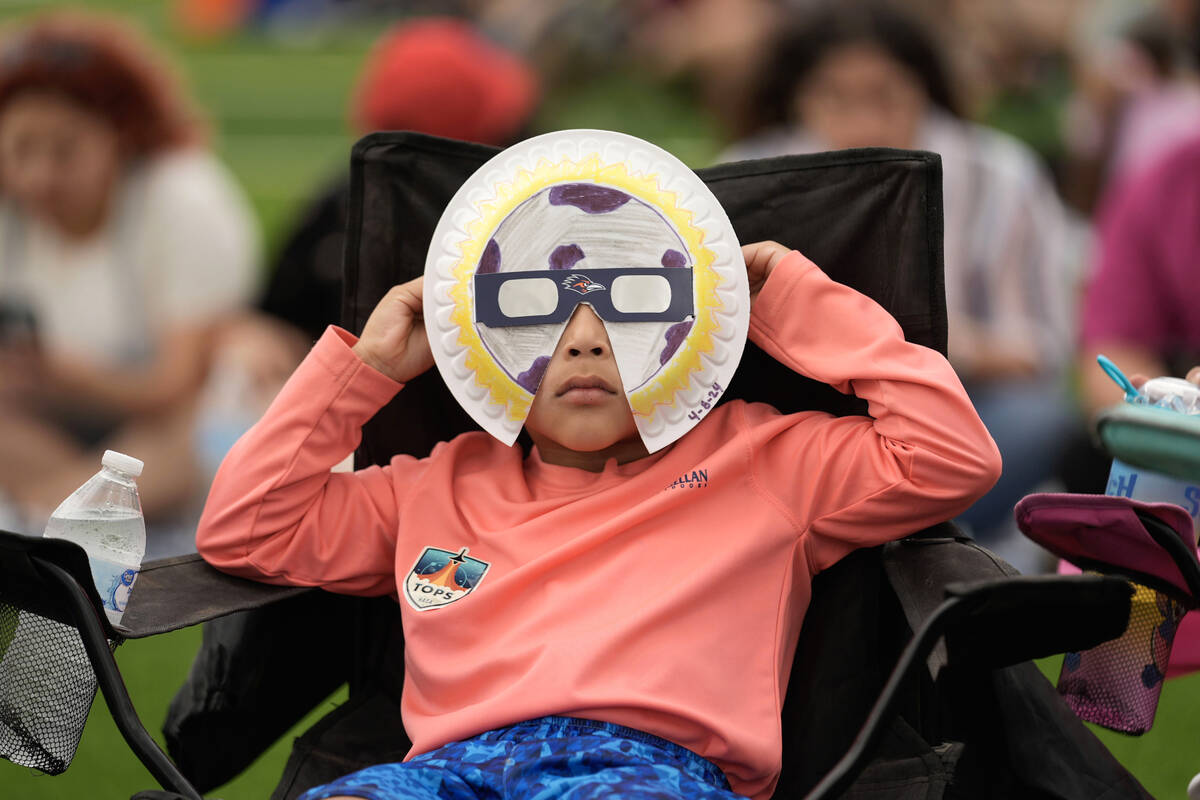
48, 683
104, 517
1172, 394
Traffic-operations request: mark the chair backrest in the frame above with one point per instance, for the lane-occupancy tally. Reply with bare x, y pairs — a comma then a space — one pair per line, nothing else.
871, 218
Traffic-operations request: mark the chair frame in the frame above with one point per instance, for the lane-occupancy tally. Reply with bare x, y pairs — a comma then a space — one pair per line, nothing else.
78, 604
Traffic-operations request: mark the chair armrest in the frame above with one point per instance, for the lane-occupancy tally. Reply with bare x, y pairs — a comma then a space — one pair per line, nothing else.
174, 593
920, 567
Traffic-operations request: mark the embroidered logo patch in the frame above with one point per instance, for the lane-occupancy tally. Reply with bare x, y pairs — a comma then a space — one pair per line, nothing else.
442, 576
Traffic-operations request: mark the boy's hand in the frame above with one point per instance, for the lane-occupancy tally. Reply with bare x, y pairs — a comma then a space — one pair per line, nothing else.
394, 341
761, 258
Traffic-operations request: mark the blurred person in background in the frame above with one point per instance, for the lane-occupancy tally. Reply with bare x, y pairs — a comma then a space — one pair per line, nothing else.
1139, 99
859, 74
717, 45
283, 19
433, 75
1142, 305
123, 246
567, 42
1012, 60
1137, 94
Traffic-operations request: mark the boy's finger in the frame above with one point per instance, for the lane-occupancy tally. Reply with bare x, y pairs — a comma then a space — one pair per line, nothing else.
759, 251
415, 289
410, 294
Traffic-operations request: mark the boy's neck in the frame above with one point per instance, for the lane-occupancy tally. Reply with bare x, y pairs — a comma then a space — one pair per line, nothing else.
624, 451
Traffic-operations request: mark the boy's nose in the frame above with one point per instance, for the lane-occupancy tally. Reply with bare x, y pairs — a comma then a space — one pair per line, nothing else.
585, 334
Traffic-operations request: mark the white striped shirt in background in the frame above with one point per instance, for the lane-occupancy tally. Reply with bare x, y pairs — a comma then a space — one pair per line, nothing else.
1013, 252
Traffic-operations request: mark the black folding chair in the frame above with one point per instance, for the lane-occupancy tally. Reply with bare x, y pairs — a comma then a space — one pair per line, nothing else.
948, 710
46, 591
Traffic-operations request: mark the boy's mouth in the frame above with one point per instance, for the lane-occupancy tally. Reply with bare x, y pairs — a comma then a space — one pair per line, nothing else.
585, 389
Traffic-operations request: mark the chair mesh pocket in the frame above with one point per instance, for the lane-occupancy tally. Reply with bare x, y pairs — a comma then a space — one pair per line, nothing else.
46, 690
1116, 684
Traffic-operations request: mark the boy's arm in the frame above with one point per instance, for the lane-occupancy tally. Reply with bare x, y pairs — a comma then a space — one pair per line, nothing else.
922, 456
276, 513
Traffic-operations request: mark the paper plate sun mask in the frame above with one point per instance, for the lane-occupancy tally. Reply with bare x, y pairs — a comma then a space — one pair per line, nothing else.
586, 217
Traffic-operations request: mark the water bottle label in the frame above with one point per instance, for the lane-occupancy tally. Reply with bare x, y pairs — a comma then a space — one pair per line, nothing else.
114, 582
1153, 487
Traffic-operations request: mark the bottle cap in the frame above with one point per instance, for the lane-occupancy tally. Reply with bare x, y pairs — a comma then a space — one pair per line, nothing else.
122, 463
1175, 394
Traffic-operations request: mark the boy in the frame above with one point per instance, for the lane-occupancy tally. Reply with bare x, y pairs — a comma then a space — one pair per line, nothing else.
576, 622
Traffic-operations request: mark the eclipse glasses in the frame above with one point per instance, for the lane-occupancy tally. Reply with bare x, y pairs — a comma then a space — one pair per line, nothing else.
621, 294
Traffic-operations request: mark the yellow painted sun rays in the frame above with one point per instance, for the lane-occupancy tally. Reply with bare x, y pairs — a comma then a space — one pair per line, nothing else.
676, 374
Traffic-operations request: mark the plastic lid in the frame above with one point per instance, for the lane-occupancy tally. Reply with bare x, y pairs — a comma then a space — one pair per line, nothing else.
1173, 393
122, 463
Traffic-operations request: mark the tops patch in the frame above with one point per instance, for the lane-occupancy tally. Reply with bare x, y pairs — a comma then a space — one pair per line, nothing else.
440, 577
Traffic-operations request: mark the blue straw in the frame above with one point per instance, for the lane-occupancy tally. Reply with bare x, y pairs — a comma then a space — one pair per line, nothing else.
1114, 372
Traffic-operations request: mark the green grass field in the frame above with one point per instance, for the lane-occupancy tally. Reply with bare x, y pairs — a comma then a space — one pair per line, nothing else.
1164, 759
278, 110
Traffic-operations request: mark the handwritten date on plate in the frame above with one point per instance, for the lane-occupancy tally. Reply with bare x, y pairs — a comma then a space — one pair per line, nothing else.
706, 402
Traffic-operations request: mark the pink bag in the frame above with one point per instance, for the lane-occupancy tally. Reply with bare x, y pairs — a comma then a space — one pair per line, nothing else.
1117, 684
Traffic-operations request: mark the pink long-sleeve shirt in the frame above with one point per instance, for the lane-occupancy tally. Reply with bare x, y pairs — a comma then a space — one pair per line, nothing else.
665, 594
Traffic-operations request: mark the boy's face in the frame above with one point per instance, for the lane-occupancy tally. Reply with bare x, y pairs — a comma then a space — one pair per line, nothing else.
580, 404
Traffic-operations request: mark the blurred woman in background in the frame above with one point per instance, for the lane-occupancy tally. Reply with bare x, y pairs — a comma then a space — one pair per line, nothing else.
868, 74
123, 245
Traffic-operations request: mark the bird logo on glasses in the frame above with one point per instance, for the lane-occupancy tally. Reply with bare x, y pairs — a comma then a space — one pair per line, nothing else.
582, 284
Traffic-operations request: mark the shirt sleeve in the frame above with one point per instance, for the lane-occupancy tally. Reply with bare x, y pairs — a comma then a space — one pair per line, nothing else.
921, 457
276, 513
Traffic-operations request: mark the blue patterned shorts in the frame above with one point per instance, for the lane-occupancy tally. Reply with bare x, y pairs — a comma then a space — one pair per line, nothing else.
552, 757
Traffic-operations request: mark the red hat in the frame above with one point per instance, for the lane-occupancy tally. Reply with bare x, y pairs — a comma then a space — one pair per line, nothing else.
439, 76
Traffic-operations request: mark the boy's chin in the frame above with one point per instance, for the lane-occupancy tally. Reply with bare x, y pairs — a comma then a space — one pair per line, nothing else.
591, 441
589, 444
